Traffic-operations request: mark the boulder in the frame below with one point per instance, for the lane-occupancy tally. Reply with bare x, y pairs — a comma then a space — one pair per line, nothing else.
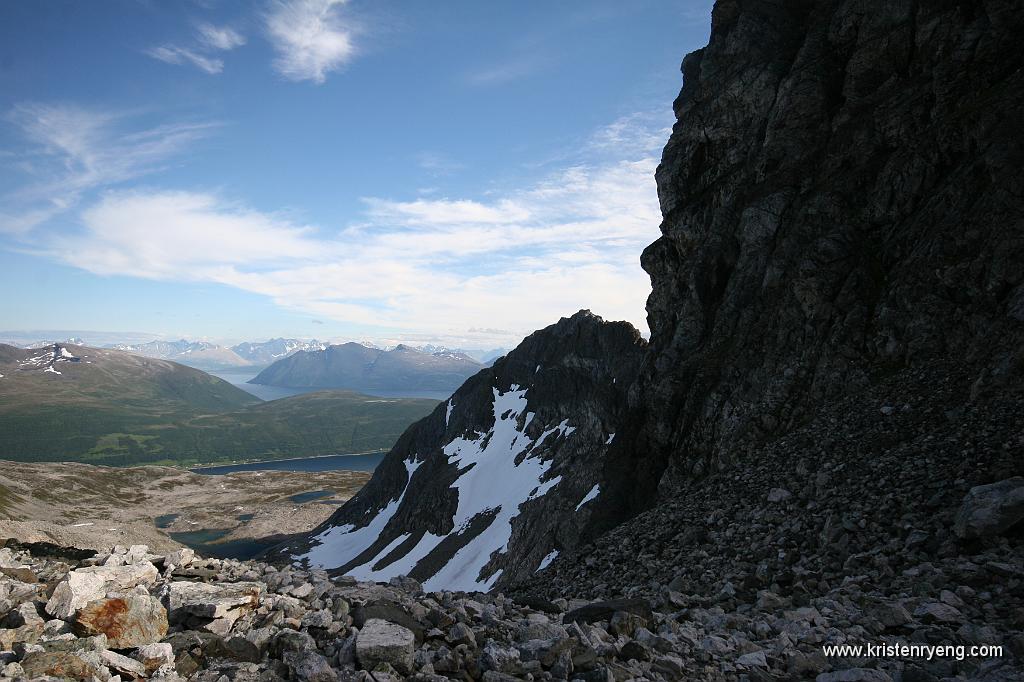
309, 667
231, 600
88, 584
153, 656
128, 621
382, 642
991, 509
61, 664
604, 610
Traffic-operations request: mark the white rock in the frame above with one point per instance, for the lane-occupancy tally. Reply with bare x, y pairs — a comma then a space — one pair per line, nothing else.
180, 557
88, 584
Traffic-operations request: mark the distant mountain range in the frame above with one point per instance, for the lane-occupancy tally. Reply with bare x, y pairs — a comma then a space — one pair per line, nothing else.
210, 356
106, 406
358, 367
273, 350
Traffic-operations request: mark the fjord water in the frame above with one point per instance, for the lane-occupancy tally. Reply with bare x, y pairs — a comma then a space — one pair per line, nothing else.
239, 378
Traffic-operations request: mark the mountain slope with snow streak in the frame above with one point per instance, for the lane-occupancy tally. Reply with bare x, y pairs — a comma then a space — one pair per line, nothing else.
484, 490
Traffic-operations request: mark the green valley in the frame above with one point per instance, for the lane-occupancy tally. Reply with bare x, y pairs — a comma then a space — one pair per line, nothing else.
109, 407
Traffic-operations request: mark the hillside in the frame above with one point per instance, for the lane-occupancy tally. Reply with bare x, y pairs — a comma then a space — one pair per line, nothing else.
357, 367
110, 407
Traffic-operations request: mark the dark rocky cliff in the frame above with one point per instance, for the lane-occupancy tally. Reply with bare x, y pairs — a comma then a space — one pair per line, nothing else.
842, 196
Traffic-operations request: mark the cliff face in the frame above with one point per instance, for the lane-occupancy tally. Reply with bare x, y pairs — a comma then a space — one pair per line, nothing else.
501, 477
841, 196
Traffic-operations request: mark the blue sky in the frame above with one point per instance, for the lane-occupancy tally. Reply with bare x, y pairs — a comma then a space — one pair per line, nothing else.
454, 172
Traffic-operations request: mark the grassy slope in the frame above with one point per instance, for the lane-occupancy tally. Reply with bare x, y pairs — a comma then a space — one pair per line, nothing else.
120, 409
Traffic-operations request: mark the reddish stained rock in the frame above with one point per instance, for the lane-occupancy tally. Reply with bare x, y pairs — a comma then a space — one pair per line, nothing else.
128, 621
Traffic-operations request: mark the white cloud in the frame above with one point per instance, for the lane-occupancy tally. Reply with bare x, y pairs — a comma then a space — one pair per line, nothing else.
209, 38
173, 54
310, 38
510, 263
519, 262
219, 37
75, 150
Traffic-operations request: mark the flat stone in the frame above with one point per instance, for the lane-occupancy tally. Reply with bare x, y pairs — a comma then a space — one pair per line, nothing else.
755, 659
937, 612
382, 642
212, 600
604, 610
122, 664
60, 664
128, 621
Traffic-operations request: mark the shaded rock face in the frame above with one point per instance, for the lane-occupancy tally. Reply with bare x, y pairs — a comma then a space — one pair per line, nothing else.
501, 477
841, 194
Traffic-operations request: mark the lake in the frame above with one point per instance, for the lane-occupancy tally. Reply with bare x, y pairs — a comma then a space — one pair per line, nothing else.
239, 377
365, 462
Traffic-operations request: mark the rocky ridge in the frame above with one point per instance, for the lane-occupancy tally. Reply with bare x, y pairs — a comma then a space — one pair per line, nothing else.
476, 495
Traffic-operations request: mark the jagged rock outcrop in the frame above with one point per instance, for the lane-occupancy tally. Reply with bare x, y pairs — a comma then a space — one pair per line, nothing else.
501, 477
841, 195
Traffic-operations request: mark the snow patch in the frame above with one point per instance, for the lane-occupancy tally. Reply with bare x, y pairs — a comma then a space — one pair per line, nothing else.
611, 437
594, 492
339, 544
490, 483
448, 411
52, 370
546, 561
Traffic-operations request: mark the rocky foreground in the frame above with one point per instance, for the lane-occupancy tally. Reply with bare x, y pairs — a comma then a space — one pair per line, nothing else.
130, 614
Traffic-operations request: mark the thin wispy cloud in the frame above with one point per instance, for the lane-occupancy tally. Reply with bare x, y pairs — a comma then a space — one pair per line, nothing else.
511, 70
74, 150
172, 54
310, 36
219, 37
439, 266
438, 164
209, 40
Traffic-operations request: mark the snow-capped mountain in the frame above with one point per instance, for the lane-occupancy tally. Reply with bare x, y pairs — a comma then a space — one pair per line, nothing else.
266, 352
198, 354
500, 478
